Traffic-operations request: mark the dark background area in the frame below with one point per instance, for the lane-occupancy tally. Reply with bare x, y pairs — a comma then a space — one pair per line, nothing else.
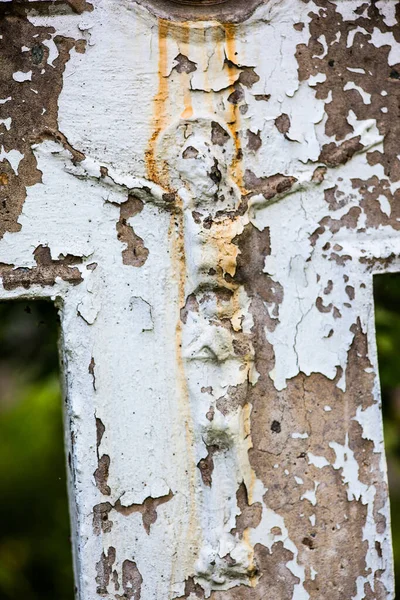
387, 321
35, 548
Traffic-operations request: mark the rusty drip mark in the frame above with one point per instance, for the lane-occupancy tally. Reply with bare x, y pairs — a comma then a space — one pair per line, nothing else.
178, 257
159, 173
254, 576
233, 116
177, 238
159, 111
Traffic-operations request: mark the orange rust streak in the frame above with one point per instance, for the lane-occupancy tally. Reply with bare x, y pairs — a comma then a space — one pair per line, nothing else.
176, 234
158, 171
159, 116
230, 31
187, 101
233, 117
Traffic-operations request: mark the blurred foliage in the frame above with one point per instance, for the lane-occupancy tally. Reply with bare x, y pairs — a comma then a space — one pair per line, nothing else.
35, 548
387, 321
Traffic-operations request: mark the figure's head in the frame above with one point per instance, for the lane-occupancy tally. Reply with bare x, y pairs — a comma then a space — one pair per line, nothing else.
196, 157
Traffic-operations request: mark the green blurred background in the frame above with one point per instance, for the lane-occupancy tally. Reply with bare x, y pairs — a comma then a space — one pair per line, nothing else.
387, 320
35, 547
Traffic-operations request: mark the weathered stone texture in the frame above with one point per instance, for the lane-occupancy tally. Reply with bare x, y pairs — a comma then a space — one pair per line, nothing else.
207, 202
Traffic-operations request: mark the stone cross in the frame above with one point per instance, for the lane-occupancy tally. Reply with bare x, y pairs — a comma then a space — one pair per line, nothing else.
205, 190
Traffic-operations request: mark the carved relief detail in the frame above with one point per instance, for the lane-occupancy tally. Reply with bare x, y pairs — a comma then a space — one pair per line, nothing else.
217, 352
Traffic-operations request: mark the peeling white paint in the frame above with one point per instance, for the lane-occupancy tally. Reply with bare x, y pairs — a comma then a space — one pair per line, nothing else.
6, 123
21, 76
364, 95
310, 495
318, 461
346, 461
161, 384
14, 157
53, 52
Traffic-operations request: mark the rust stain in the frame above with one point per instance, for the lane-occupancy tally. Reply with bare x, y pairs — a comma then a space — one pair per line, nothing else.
176, 234
230, 41
233, 114
254, 576
158, 171
220, 236
159, 102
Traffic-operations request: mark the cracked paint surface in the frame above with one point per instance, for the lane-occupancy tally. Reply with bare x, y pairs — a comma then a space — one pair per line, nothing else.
207, 204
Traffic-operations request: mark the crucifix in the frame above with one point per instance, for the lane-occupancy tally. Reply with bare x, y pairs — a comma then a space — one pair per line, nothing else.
205, 191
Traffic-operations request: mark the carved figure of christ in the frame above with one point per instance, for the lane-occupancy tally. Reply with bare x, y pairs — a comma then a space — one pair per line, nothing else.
216, 352
218, 343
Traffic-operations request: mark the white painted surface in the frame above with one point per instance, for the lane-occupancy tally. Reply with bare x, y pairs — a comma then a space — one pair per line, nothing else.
149, 368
